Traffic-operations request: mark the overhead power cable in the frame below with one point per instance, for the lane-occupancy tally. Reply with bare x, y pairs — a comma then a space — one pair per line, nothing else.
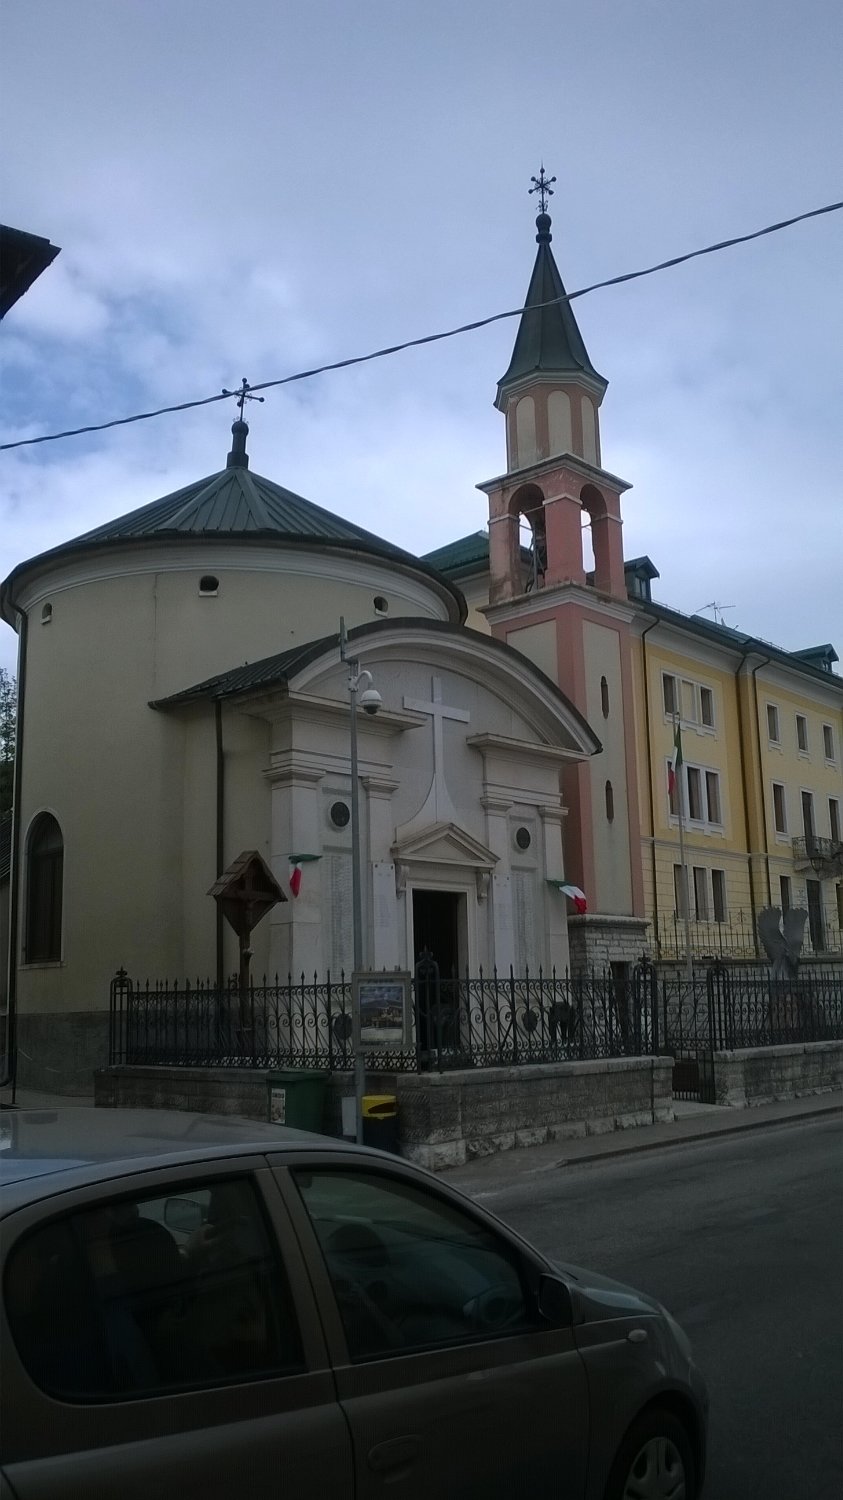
430, 338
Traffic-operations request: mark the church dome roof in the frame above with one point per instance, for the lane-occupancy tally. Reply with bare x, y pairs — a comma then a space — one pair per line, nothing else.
232, 505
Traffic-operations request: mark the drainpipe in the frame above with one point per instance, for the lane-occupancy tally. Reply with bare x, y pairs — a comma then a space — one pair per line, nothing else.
745, 794
755, 670
644, 635
220, 835
11, 1060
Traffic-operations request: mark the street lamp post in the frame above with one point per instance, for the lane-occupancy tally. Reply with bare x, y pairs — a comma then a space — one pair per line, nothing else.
359, 689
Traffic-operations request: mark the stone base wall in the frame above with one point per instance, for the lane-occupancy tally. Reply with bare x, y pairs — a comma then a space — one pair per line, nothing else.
444, 1118
59, 1054
761, 1075
596, 941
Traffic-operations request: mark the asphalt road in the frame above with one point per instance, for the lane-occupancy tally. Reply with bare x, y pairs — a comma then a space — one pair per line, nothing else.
742, 1238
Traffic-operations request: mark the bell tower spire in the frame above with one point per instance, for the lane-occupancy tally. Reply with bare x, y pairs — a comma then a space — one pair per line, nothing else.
551, 392
572, 621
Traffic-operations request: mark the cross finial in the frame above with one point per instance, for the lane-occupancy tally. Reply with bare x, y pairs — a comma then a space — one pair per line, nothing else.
541, 185
244, 393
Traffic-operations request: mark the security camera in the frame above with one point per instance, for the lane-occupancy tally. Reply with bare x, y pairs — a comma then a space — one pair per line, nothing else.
370, 701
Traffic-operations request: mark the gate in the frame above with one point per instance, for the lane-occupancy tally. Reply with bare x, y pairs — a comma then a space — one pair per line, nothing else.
688, 1016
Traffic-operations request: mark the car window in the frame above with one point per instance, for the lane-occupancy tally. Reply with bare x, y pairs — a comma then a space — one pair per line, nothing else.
110, 1302
408, 1269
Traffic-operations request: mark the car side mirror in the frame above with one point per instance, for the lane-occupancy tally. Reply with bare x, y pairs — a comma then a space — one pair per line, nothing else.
183, 1215
554, 1301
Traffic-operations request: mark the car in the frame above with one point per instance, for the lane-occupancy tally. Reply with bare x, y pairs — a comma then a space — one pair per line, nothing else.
199, 1306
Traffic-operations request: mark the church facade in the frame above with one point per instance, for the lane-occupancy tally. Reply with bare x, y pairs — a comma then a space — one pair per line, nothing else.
184, 698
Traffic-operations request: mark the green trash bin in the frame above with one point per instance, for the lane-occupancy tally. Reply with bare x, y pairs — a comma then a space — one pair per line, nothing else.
296, 1099
380, 1122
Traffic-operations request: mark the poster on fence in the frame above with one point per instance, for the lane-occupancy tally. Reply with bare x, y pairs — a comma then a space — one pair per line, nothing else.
384, 1008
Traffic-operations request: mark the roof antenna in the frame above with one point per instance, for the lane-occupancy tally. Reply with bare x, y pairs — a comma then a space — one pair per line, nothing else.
238, 458
718, 610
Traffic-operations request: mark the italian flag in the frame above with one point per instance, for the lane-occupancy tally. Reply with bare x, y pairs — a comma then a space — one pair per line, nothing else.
675, 762
576, 895
295, 877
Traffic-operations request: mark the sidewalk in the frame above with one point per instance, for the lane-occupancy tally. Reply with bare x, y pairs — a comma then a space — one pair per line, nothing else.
691, 1122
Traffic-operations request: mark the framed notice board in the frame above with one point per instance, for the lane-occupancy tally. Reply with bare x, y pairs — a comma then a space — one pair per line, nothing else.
384, 1009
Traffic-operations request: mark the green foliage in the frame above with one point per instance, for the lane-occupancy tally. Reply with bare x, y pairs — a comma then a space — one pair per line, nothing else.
8, 721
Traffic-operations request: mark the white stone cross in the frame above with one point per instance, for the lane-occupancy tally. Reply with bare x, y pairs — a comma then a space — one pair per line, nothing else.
439, 712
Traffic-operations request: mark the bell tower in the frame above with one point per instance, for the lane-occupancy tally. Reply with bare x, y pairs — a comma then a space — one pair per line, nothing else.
572, 620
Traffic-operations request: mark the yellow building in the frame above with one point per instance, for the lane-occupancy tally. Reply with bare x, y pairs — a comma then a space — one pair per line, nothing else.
762, 777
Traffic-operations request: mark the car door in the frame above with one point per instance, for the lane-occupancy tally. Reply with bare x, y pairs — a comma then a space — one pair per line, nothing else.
450, 1378
135, 1368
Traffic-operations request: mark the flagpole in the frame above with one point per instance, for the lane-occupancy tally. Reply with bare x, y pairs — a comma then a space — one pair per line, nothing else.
680, 803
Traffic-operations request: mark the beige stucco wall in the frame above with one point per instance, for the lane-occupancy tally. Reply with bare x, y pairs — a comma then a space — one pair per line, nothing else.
129, 784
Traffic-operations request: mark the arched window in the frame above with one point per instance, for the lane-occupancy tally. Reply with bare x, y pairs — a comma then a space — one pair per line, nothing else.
610, 802
44, 879
604, 697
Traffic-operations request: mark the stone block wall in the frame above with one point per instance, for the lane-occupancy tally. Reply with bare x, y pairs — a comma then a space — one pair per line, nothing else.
449, 1118
596, 941
760, 1075
444, 1118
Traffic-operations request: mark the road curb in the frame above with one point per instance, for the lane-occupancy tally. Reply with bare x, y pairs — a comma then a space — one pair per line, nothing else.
688, 1137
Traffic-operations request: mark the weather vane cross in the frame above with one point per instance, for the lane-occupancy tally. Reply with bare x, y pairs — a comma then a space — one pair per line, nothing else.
244, 394
542, 186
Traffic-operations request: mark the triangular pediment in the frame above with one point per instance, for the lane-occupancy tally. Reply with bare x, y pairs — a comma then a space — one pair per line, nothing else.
445, 844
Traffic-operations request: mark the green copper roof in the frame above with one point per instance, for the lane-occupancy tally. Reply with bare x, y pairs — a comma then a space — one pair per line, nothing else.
460, 554
548, 340
232, 505
235, 502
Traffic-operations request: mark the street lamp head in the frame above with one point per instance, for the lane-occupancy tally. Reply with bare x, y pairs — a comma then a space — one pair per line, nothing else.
370, 701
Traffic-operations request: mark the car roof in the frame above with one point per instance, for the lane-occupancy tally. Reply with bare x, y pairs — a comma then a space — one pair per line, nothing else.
45, 1151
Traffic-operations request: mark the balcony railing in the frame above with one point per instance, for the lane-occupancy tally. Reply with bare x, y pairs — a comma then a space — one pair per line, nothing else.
823, 856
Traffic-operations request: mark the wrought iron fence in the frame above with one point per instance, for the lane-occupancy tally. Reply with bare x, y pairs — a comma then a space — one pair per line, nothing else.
486, 1021
489, 1021
734, 937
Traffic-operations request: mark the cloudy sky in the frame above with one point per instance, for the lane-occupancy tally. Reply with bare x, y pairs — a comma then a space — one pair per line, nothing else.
258, 188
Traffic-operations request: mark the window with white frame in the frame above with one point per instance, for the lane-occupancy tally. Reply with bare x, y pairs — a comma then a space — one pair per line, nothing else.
779, 808
708, 893
834, 818
773, 724
785, 895
700, 790
802, 734
828, 741
692, 701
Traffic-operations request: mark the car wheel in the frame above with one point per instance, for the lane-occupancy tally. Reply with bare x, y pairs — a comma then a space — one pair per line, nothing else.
655, 1461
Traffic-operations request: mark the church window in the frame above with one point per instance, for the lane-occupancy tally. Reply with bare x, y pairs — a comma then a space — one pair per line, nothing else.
381, 605
46, 614
44, 882
208, 585
610, 802
589, 432
604, 697
523, 838
340, 814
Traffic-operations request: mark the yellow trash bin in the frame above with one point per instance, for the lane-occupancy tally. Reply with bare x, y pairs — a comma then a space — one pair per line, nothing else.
380, 1122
